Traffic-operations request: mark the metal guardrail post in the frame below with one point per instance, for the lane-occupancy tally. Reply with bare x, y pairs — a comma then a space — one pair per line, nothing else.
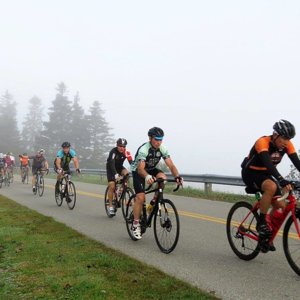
207, 187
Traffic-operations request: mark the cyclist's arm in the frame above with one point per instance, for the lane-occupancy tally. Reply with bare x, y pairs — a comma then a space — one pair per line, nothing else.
266, 160
76, 162
141, 169
58, 162
295, 160
172, 167
46, 165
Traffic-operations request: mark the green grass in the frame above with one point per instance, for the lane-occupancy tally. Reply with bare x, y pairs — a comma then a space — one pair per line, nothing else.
44, 259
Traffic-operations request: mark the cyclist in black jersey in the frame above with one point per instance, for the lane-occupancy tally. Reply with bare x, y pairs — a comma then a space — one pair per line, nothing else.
115, 168
144, 171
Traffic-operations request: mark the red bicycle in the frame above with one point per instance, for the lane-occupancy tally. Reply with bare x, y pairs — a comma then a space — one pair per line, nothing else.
243, 236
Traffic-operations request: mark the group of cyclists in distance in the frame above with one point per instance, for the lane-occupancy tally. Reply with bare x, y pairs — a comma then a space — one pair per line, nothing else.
259, 170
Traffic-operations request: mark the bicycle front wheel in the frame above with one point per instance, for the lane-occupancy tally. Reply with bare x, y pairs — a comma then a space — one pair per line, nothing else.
241, 230
58, 196
166, 226
291, 244
71, 195
41, 186
125, 200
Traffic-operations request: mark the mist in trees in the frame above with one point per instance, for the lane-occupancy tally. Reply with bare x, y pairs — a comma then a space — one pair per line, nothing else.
66, 120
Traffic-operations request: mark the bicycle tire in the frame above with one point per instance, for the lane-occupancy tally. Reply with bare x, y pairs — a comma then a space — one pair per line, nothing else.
129, 218
291, 245
71, 194
41, 186
233, 230
125, 200
166, 226
106, 203
1, 181
58, 197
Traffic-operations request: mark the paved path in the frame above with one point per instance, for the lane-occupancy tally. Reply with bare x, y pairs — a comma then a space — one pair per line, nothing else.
202, 257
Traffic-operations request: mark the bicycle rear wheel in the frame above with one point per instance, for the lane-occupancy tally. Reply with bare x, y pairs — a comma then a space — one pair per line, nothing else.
71, 195
166, 226
41, 186
125, 200
241, 233
106, 203
129, 217
291, 244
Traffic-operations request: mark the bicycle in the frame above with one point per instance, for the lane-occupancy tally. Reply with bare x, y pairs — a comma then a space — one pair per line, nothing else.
243, 236
25, 173
67, 191
121, 195
6, 179
165, 217
39, 182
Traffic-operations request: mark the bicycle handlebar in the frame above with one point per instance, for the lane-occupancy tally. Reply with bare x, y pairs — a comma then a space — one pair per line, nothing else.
161, 180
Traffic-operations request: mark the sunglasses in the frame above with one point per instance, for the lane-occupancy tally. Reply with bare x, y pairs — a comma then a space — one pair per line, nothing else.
158, 138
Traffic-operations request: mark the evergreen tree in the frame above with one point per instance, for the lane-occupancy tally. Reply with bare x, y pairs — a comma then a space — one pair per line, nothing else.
9, 133
79, 135
32, 125
294, 173
57, 129
101, 140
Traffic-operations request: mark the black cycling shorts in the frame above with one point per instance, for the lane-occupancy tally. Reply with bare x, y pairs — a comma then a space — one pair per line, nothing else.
110, 175
254, 179
139, 181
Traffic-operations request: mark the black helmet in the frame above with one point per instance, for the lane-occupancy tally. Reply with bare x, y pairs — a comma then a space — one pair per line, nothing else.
24, 154
121, 142
285, 129
66, 145
156, 132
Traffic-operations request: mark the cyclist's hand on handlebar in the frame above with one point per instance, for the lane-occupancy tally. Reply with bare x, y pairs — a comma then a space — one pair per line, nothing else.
60, 171
179, 180
78, 171
285, 184
47, 171
149, 179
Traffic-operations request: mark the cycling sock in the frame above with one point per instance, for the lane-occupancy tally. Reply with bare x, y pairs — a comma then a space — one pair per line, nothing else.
136, 222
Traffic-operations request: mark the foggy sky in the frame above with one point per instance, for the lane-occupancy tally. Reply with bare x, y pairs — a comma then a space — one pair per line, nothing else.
215, 75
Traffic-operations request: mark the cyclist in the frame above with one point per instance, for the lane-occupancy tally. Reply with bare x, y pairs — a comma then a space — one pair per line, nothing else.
2, 166
115, 168
259, 171
144, 171
10, 163
39, 163
62, 162
24, 164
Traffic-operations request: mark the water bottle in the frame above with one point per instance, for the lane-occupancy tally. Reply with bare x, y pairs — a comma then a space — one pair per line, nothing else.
62, 187
119, 191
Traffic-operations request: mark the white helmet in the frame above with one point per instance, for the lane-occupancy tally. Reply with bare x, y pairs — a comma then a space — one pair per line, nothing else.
42, 151
1, 155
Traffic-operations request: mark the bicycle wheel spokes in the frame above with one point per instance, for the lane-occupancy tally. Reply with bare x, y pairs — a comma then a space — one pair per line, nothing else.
129, 218
166, 226
41, 186
291, 244
241, 230
125, 200
58, 196
71, 195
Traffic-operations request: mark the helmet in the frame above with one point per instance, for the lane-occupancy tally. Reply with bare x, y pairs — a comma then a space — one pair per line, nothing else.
121, 142
9, 153
1, 155
24, 154
156, 132
285, 129
42, 151
66, 145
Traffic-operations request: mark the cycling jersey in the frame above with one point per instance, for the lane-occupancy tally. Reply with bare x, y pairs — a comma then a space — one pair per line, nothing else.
65, 158
150, 156
37, 163
2, 163
10, 160
24, 160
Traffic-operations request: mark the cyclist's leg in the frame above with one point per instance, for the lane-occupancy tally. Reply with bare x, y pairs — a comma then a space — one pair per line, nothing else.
34, 171
111, 189
139, 187
157, 174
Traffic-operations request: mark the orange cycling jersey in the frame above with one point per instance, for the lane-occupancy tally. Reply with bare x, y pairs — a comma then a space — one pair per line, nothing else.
265, 144
24, 160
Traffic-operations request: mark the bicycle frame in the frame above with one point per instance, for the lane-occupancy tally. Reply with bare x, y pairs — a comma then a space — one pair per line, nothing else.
290, 207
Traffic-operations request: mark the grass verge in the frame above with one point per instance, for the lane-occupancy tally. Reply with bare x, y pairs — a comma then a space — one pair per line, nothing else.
43, 259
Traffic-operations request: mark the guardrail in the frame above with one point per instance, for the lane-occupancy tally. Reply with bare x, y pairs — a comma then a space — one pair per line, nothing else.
207, 179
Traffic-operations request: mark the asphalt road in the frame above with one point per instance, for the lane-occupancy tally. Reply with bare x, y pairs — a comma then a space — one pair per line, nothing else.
202, 257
